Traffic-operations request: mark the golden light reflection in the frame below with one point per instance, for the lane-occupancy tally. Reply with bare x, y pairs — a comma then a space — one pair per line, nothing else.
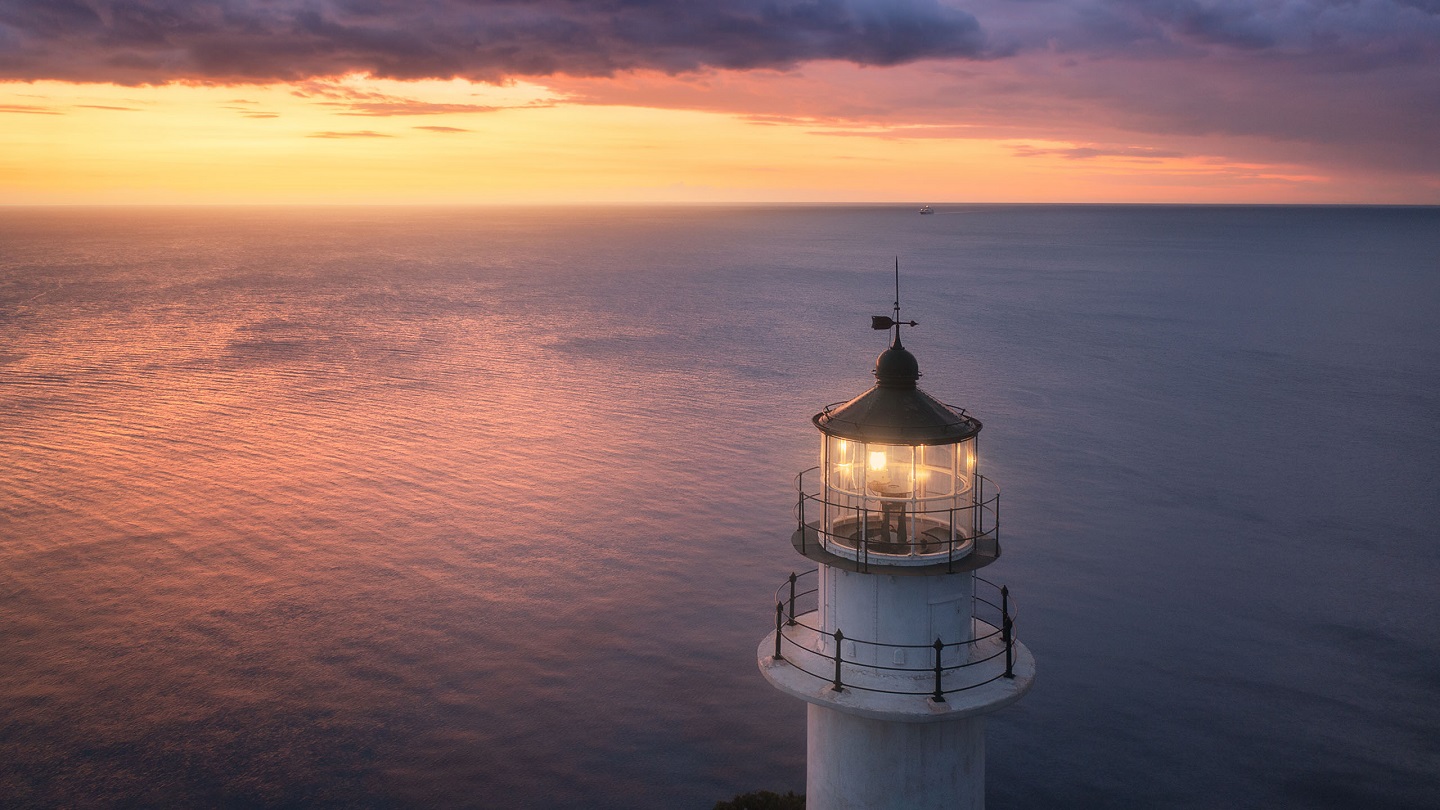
877, 460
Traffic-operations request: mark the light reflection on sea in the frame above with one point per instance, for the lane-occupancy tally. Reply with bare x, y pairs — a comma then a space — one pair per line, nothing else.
484, 508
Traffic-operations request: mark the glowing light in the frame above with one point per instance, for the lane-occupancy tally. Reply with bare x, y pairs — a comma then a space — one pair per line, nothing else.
877, 460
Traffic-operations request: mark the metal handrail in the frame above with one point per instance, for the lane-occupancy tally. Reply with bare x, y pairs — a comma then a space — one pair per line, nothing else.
1006, 608
1005, 630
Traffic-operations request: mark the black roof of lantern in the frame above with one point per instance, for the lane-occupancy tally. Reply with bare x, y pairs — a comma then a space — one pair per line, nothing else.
896, 411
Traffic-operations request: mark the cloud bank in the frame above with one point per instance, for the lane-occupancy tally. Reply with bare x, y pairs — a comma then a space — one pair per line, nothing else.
1327, 84
243, 41
154, 41
1333, 34
1319, 83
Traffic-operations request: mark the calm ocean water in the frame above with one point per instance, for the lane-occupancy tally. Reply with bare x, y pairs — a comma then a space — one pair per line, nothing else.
484, 508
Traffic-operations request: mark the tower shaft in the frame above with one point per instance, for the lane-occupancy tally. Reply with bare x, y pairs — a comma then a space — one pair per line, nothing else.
860, 763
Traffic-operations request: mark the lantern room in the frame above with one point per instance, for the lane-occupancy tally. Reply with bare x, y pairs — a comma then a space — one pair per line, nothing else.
897, 483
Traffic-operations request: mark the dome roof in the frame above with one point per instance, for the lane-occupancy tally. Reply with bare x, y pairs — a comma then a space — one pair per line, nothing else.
896, 368
896, 411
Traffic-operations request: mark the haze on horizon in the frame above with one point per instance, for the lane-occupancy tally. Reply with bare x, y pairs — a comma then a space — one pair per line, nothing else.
485, 101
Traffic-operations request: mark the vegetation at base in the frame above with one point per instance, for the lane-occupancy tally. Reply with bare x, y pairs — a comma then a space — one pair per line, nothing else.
764, 800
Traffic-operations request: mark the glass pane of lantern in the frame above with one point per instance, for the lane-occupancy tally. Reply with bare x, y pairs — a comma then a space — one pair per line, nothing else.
897, 499
845, 469
965, 467
889, 470
935, 469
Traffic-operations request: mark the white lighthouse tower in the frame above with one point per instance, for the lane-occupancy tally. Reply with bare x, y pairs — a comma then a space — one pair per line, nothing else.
896, 643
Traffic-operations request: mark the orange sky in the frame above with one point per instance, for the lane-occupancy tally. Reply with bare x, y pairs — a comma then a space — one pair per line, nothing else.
882, 100
360, 140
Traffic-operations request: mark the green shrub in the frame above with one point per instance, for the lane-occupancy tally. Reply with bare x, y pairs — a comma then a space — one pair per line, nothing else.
764, 800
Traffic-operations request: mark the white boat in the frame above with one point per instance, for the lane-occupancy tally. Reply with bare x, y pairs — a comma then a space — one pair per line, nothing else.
925, 209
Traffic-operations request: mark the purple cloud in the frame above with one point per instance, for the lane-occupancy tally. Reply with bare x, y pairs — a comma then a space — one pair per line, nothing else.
1333, 34
151, 41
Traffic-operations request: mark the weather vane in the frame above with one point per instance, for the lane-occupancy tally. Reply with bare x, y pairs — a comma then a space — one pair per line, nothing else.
878, 322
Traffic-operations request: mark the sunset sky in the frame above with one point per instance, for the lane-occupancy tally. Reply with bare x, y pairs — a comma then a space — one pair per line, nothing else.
549, 101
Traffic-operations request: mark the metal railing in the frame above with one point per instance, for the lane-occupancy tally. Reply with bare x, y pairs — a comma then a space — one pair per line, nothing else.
979, 659
972, 527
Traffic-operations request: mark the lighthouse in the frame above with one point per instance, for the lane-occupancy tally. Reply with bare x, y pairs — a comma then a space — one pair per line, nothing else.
894, 639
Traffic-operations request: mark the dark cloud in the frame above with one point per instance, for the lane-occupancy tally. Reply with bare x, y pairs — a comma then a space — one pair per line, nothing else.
1329, 34
151, 41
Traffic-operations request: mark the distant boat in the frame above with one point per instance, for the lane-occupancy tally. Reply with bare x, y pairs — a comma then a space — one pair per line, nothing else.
925, 209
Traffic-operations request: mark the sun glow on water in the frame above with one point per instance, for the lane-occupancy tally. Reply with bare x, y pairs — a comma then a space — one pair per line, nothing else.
409, 506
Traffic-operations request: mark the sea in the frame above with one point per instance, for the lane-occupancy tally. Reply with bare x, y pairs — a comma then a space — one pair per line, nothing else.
487, 507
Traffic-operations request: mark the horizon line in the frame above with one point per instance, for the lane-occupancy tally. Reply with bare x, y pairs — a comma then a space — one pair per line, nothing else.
710, 204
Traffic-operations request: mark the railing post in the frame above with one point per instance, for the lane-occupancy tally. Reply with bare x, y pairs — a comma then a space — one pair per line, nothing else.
779, 621
862, 535
836, 684
950, 557
800, 493
997, 520
977, 511
800, 509
792, 598
864, 564
1005, 611
1009, 649
939, 649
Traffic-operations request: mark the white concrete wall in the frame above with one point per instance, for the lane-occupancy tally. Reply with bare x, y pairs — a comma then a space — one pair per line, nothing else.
896, 610
855, 763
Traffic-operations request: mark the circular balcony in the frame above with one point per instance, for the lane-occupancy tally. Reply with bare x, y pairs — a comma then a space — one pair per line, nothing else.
912, 682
